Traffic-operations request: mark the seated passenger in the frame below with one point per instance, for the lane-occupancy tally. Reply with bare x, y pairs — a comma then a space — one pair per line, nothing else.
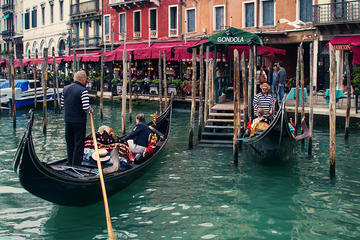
260, 123
138, 138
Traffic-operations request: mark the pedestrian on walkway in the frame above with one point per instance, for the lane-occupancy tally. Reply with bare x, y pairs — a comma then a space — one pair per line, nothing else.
281, 81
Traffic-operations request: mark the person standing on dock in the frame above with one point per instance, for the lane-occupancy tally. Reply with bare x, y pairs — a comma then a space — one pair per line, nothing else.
264, 100
75, 101
280, 82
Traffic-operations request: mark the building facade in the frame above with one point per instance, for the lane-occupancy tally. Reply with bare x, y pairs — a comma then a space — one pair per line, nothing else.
45, 26
86, 25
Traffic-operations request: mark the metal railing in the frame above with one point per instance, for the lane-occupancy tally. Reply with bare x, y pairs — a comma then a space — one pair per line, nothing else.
7, 33
153, 34
137, 35
91, 41
7, 7
342, 12
84, 7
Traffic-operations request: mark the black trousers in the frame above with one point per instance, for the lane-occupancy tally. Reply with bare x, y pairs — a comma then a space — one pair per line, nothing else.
75, 137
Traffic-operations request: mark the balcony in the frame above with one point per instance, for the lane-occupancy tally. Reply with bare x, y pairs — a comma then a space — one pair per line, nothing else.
84, 8
7, 33
130, 4
336, 13
91, 41
7, 7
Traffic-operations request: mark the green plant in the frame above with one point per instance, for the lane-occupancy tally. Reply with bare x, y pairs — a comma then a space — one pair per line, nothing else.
355, 81
114, 80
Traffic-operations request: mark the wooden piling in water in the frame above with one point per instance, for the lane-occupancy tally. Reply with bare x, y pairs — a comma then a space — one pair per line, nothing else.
12, 84
244, 85
74, 65
302, 82
130, 89
311, 110
192, 114
211, 83
254, 69
54, 84
332, 111
201, 92
160, 81
101, 85
297, 88
123, 100
348, 102
44, 86
35, 83
207, 76
249, 88
236, 89
165, 81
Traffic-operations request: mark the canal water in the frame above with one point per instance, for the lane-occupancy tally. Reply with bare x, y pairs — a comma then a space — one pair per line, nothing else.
197, 194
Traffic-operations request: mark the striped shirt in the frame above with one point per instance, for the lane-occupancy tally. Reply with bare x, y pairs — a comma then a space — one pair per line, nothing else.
84, 100
263, 101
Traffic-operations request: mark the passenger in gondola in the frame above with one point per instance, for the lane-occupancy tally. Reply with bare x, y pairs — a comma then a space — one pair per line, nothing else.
75, 101
259, 124
264, 100
139, 137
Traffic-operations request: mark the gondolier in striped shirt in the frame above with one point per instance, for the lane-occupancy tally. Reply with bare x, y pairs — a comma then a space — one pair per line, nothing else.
75, 101
264, 100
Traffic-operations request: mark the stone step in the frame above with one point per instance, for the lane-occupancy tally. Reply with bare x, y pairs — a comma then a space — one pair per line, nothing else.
225, 142
215, 114
218, 134
219, 127
216, 120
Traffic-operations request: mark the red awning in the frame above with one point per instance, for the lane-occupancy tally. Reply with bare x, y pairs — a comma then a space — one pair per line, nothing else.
345, 43
356, 55
90, 58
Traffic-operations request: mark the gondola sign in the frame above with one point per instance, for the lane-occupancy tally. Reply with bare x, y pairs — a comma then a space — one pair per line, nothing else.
235, 36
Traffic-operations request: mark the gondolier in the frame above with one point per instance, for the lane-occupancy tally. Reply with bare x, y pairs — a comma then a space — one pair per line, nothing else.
264, 100
75, 102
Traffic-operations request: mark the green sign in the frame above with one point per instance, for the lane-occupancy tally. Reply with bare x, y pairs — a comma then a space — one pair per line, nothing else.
235, 36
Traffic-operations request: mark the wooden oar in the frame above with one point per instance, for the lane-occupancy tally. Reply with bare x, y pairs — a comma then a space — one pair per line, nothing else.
107, 213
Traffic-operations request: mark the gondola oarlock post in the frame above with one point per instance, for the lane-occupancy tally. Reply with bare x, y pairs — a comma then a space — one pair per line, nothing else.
192, 114
332, 111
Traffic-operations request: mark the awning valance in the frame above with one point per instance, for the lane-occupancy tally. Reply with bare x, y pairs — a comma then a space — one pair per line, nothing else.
345, 42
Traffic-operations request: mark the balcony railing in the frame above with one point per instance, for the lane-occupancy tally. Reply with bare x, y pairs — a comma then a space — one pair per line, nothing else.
7, 33
173, 33
84, 7
7, 7
137, 35
343, 12
91, 41
153, 33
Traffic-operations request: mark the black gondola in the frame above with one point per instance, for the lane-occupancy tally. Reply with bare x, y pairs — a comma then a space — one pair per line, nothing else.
277, 143
78, 186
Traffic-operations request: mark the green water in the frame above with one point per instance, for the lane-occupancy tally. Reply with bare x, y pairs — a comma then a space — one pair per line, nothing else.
197, 194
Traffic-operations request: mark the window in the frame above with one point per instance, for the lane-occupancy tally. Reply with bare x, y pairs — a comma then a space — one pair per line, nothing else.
219, 17
268, 12
249, 14
52, 13
34, 18
27, 20
107, 25
97, 31
122, 22
43, 15
61, 10
137, 21
15, 24
87, 25
173, 18
153, 19
22, 22
190, 20
306, 10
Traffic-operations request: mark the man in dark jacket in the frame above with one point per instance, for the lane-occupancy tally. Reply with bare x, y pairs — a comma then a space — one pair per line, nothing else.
281, 81
138, 138
75, 101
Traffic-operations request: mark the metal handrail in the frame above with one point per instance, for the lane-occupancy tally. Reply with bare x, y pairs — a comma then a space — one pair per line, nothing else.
336, 12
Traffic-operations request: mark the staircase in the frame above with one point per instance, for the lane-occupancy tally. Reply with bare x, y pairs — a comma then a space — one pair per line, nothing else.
219, 128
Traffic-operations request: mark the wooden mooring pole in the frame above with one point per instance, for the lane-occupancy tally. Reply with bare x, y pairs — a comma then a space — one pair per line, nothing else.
201, 93
12, 84
311, 110
236, 86
130, 89
332, 110
297, 88
211, 83
55, 84
35, 83
44, 86
207, 86
101, 86
302, 84
74, 65
124, 86
249, 88
192, 114
160, 81
348, 89
165, 81
21, 67
244, 85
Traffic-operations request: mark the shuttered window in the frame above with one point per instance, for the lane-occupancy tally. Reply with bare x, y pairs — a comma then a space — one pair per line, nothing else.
137, 21
219, 18
268, 13
34, 18
249, 15
153, 20
190, 14
306, 10
122, 20
27, 20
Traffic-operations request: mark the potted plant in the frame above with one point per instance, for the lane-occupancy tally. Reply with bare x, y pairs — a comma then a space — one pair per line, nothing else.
355, 81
